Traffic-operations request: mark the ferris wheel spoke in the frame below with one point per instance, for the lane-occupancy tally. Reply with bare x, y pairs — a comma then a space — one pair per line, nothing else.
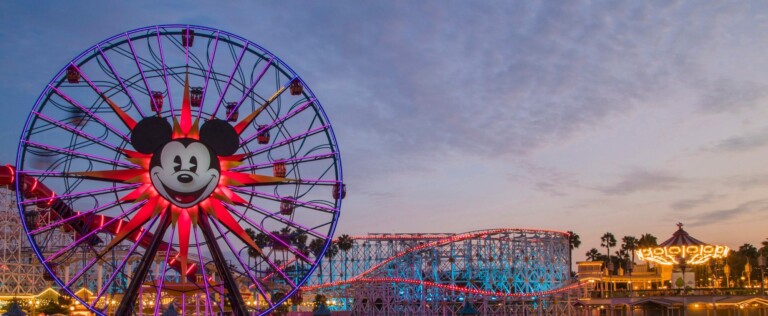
277, 239
250, 88
242, 125
124, 117
89, 234
79, 154
83, 193
122, 264
120, 80
81, 272
296, 160
141, 71
89, 113
245, 267
68, 128
129, 297
165, 70
161, 280
296, 202
278, 121
208, 300
280, 219
79, 215
287, 141
229, 81
208, 75
236, 300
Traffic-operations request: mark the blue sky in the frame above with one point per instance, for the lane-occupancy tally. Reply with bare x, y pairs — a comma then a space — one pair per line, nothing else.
455, 116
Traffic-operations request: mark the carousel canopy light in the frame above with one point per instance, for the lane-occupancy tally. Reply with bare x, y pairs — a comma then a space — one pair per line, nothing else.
682, 247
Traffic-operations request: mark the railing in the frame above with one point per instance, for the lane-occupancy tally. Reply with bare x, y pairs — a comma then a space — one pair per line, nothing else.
677, 292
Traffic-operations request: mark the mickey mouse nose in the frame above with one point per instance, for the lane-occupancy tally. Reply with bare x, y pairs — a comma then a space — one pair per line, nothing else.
184, 178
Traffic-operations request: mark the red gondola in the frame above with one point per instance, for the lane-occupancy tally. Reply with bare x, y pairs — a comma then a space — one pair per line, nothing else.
286, 206
187, 37
296, 87
232, 113
157, 100
196, 96
263, 136
73, 76
339, 191
278, 169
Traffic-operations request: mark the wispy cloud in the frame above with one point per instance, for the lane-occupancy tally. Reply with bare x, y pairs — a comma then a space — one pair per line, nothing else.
691, 203
724, 215
724, 95
642, 180
741, 143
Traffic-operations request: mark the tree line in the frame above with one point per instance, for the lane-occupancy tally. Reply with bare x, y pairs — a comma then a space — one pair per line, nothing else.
624, 256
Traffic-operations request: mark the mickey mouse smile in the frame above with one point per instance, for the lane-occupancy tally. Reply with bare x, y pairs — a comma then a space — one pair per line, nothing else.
182, 197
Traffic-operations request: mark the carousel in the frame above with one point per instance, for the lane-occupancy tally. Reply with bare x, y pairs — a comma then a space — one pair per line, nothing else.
679, 254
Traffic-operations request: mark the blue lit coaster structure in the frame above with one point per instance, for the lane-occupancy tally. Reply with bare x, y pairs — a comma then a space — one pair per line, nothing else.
186, 168
507, 271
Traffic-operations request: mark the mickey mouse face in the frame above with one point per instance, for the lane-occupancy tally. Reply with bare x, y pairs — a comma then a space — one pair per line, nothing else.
184, 171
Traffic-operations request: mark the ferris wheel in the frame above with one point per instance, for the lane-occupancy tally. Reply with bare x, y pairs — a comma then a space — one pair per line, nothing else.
190, 169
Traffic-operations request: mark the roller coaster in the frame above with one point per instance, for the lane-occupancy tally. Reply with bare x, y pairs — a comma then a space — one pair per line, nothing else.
488, 272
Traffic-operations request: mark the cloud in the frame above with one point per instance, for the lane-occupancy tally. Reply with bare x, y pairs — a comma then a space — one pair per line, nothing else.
741, 143
694, 202
724, 215
642, 180
723, 95
749, 181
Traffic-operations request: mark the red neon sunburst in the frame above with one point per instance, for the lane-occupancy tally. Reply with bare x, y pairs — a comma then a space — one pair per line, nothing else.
156, 205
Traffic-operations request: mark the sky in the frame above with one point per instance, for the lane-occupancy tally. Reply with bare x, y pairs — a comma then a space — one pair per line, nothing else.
453, 116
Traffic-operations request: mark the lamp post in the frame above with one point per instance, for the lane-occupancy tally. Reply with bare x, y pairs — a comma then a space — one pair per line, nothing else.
727, 271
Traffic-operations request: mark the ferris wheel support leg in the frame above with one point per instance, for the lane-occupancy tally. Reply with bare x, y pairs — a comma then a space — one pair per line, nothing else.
126, 305
235, 299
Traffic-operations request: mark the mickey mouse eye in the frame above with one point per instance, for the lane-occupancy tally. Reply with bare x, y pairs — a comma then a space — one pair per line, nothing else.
176, 164
193, 162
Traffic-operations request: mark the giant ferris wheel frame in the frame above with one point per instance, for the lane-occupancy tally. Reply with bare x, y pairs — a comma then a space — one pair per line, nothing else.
87, 112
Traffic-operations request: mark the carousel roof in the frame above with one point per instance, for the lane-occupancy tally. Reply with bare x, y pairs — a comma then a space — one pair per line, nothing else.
681, 238
682, 248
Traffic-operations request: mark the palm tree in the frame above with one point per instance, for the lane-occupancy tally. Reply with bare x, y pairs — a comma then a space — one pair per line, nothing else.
345, 243
261, 240
629, 244
764, 249
332, 251
647, 240
574, 240
593, 255
299, 239
608, 241
316, 248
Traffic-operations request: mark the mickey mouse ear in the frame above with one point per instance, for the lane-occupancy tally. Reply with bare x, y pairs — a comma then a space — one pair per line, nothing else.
150, 133
220, 136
